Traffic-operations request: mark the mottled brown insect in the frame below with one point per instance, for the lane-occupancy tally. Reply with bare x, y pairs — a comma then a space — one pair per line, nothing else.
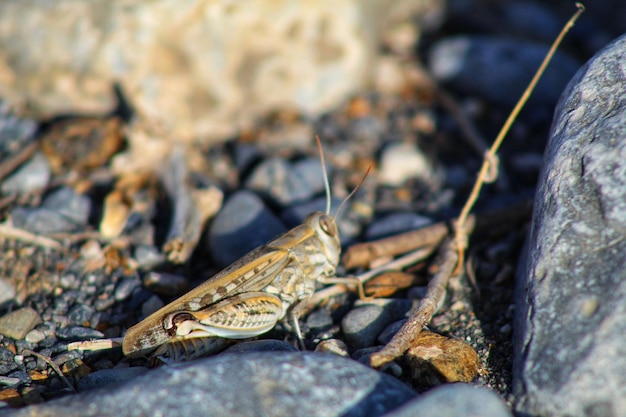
248, 297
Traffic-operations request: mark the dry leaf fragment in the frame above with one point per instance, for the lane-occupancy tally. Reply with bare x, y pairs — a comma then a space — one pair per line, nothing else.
388, 283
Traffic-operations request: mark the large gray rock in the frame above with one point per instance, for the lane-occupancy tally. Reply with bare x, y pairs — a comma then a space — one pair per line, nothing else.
570, 357
258, 384
455, 400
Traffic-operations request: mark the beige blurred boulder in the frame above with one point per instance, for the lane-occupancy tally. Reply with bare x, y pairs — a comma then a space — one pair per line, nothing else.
198, 69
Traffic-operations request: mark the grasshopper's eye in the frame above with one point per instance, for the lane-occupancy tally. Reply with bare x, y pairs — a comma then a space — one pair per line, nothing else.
327, 224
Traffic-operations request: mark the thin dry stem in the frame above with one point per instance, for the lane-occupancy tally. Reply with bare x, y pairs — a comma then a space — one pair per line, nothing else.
18, 159
435, 294
13, 233
98, 344
396, 265
488, 171
52, 365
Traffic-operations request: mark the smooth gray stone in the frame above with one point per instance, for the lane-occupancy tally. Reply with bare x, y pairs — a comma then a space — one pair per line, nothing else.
499, 69
62, 211
268, 345
273, 384
32, 177
455, 400
243, 224
288, 183
570, 357
113, 376
361, 326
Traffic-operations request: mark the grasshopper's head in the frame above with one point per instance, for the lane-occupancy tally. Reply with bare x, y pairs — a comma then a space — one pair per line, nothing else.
326, 231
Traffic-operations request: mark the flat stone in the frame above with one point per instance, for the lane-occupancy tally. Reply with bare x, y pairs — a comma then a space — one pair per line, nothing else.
455, 400
18, 323
252, 384
569, 355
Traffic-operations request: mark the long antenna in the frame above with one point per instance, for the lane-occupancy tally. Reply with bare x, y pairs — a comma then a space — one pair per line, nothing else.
326, 183
345, 200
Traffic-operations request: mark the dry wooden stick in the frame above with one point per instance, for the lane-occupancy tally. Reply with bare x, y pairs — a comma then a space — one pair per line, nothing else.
362, 254
453, 252
52, 365
489, 170
18, 159
435, 294
10, 232
395, 265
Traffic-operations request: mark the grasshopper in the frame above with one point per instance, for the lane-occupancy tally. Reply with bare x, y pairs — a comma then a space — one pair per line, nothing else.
251, 295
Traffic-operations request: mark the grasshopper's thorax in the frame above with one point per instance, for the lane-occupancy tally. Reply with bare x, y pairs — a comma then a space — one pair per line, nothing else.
325, 228
314, 249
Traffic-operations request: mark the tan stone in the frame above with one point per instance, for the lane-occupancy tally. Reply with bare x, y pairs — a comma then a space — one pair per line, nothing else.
436, 359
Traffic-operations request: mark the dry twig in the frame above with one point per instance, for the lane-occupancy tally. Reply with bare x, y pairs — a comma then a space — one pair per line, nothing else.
428, 306
18, 159
52, 365
453, 252
10, 232
489, 171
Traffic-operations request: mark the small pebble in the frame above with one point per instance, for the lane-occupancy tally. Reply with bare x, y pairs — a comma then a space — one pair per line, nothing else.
67, 203
475, 64
506, 329
67, 356
23, 376
125, 288
18, 323
8, 381
319, 320
80, 314
6, 355
78, 333
148, 257
334, 346
35, 336
362, 325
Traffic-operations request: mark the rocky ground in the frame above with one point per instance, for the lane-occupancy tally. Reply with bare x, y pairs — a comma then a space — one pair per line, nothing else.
86, 252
